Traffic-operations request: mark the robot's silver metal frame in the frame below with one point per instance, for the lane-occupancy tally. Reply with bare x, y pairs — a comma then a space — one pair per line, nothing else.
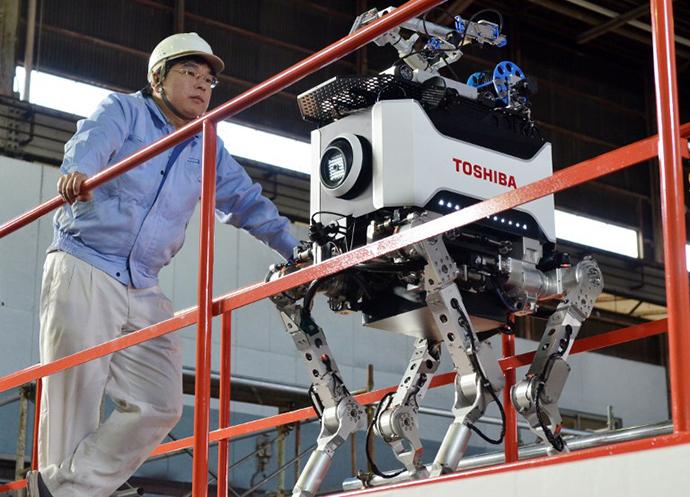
479, 379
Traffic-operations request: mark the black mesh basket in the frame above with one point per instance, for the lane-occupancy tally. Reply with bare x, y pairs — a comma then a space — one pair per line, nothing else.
343, 95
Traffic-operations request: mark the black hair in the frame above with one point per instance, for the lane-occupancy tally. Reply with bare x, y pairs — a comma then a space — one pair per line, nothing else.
147, 91
188, 58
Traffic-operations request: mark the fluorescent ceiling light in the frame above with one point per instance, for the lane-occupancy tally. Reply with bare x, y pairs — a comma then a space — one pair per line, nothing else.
598, 234
82, 99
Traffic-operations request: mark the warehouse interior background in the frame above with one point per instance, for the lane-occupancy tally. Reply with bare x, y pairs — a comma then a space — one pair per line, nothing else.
593, 64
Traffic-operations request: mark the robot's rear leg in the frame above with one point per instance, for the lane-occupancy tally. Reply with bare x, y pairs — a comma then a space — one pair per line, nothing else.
536, 397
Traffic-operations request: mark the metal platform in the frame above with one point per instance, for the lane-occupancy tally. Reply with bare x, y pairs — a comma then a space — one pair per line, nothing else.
624, 470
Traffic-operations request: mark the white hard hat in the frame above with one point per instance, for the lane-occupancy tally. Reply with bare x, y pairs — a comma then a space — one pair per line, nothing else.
179, 45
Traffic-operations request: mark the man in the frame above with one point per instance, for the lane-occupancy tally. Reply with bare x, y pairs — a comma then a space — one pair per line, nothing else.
101, 274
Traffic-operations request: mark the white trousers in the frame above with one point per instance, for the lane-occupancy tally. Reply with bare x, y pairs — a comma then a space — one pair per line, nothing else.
82, 306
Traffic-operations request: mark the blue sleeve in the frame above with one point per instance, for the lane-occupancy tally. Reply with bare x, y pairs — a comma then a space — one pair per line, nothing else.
98, 138
239, 202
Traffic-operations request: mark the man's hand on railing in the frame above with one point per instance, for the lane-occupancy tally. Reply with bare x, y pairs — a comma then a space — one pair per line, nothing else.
69, 188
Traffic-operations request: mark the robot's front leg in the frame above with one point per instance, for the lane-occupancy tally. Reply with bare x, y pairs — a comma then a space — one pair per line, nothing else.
479, 377
396, 422
340, 413
536, 397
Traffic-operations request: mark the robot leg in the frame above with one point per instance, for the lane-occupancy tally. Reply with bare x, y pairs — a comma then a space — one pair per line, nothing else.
340, 413
479, 377
396, 420
536, 397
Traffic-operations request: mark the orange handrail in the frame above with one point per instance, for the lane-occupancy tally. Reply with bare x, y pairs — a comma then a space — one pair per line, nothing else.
667, 146
672, 210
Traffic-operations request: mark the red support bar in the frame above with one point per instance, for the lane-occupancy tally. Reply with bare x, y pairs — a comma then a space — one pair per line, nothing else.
224, 400
589, 344
15, 485
673, 211
13, 380
37, 419
511, 437
202, 392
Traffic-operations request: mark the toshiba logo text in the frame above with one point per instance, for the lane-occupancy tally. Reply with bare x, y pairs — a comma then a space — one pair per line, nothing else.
484, 173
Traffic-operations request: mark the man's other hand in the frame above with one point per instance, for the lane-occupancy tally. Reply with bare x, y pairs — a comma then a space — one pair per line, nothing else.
69, 188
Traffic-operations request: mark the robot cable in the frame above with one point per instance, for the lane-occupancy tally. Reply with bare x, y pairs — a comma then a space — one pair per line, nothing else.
485, 383
374, 468
315, 401
472, 427
556, 441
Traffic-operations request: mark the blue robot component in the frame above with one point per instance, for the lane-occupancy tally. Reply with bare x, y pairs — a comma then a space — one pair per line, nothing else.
479, 80
504, 77
433, 44
459, 25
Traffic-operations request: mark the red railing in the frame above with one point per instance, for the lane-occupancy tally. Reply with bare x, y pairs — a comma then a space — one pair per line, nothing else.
668, 146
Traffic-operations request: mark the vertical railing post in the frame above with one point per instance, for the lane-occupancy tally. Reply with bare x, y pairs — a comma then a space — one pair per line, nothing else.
202, 401
19, 469
224, 400
37, 419
672, 211
511, 440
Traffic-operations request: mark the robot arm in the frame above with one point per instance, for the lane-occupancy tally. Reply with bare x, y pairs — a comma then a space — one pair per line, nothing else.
444, 44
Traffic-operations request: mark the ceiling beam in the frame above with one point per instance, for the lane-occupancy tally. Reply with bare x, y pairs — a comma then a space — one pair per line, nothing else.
561, 8
238, 31
592, 7
614, 23
145, 55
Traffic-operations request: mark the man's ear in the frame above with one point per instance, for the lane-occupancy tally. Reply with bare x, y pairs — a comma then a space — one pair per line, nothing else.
157, 83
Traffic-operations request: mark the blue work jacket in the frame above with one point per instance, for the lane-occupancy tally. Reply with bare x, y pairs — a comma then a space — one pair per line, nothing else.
136, 223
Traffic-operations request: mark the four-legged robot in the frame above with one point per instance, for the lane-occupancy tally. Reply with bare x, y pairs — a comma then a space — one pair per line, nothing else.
392, 152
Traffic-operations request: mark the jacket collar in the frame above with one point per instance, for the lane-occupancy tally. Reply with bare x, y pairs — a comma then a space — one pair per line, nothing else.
157, 113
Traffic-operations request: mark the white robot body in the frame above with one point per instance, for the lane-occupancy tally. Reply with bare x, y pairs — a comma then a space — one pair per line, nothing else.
413, 164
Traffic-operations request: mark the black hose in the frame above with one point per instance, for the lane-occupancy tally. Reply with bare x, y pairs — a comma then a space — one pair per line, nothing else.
311, 292
556, 441
500, 438
370, 430
464, 322
315, 401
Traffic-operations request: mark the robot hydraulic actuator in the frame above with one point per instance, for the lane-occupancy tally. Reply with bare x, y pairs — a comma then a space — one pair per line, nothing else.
392, 152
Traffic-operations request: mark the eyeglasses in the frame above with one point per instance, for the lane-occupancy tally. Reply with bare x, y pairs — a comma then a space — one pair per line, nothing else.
209, 80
